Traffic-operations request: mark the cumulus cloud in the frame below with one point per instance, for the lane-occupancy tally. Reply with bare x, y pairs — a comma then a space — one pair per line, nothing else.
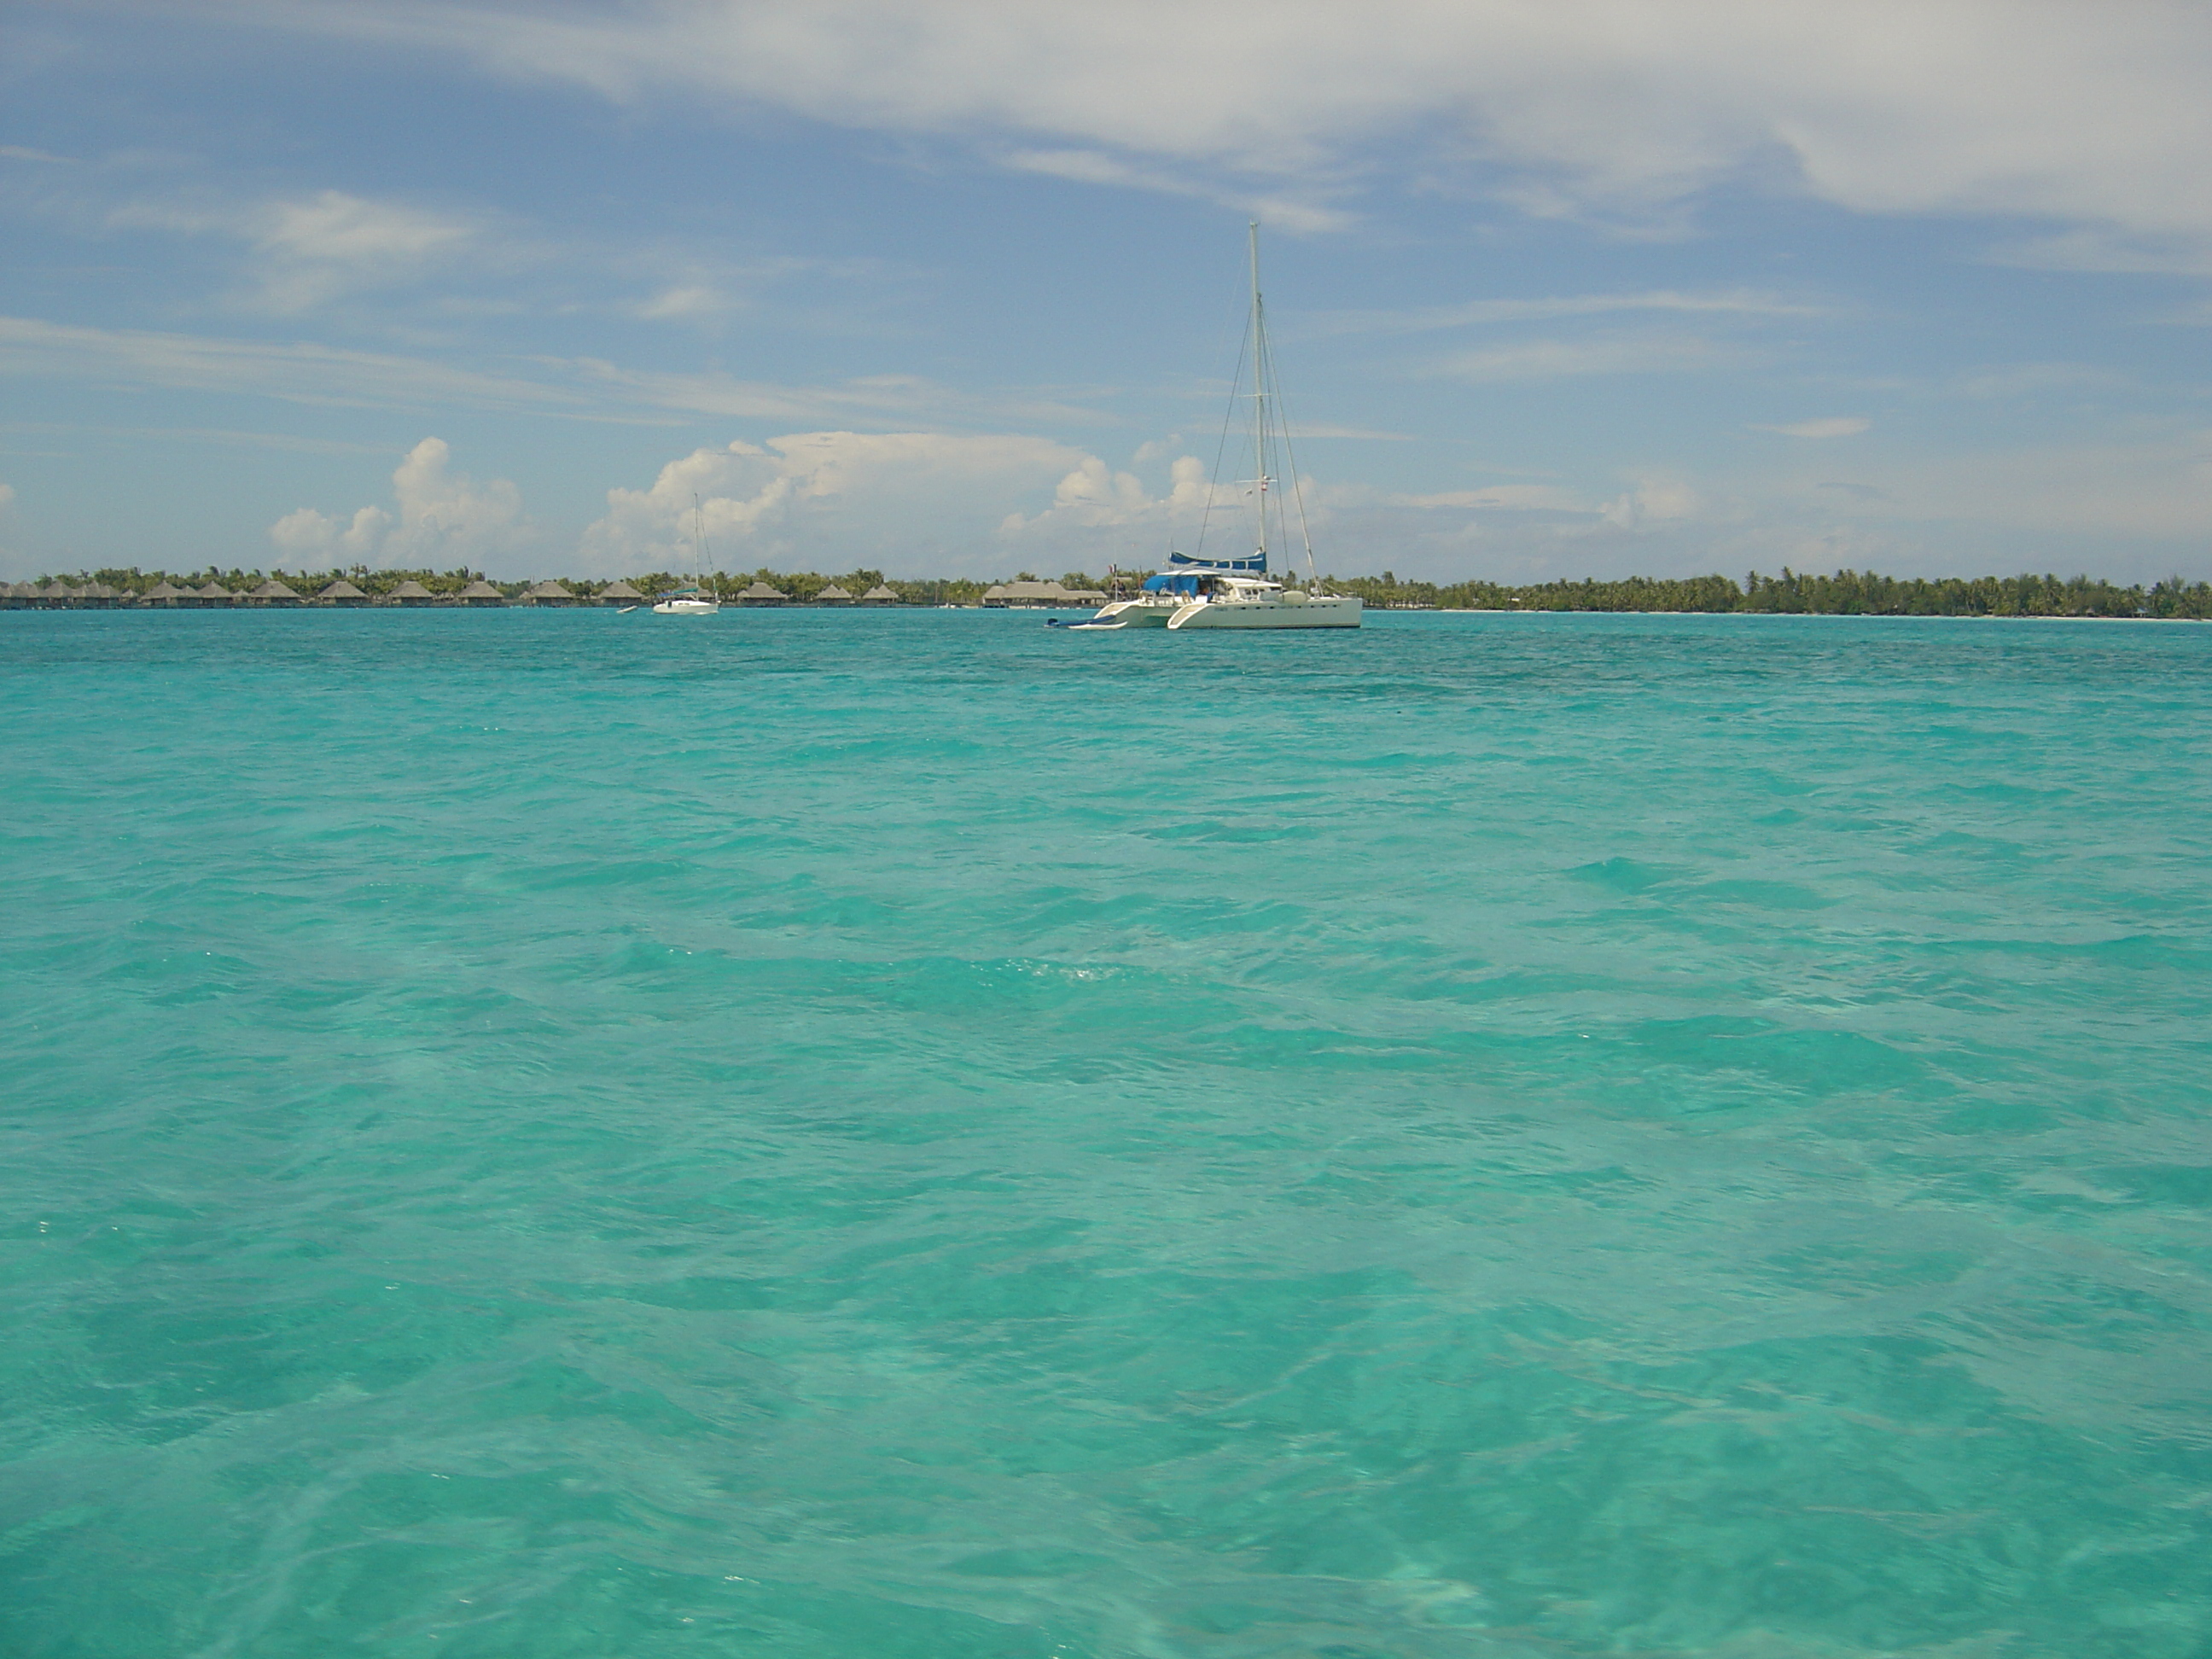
443, 518
920, 503
1656, 500
2087, 114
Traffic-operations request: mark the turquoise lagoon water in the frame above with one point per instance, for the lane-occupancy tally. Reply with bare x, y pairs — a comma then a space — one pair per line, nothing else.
583, 1137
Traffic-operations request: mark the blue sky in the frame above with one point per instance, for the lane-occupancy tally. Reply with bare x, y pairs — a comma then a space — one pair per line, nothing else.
1558, 289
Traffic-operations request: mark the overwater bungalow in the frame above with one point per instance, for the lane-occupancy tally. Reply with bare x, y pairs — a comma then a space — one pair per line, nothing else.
551, 591
57, 595
344, 592
761, 593
482, 593
880, 594
272, 592
214, 593
618, 593
14, 596
1049, 595
412, 592
166, 596
833, 594
97, 596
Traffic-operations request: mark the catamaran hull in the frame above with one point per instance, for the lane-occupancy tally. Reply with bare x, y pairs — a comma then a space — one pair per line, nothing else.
1323, 612
1131, 613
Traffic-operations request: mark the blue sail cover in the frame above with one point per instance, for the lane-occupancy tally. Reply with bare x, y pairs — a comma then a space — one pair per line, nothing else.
1256, 562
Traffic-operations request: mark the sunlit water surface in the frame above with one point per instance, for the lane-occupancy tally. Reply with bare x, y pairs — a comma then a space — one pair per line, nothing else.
568, 1136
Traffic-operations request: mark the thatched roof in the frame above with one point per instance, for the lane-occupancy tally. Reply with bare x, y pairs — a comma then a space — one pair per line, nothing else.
215, 591
164, 590
833, 594
553, 588
272, 589
481, 589
57, 589
879, 594
1039, 593
619, 590
342, 589
411, 589
763, 591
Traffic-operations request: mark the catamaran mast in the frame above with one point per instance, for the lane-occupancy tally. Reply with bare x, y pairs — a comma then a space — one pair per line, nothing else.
1259, 400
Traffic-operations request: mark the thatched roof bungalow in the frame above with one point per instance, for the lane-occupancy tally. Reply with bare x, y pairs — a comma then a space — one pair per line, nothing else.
618, 593
880, 594
482, 593
17, 595
213, 593
166, 596
57, 595
833, 594
551, 591
412, 592
1033, 595
272, 592
761, 593
342, 592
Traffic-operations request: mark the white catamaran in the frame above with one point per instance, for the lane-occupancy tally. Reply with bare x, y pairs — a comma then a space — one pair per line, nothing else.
1196, 592
699, 599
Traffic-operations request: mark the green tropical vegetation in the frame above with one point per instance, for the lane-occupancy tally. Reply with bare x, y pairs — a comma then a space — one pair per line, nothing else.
1847, 592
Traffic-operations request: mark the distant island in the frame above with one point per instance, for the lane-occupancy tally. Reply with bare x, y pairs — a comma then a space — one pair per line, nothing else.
1847, 592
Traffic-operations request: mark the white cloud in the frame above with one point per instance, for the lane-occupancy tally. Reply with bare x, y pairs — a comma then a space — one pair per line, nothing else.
444, 519
1653, 500
1293, 212
1833, 426
307, 251
1550, 360
917, 502
2086, 113
306, 537
582, 388
689, 302
328, 244
1503, 498
298, 371
1421, 319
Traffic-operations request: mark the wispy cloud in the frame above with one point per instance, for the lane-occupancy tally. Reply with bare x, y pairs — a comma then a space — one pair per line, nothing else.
1551, 360
298, 371
2095, 116
1742, 302
584, 388
1299, 214
1507, 498
306, 251
1831, 426
2025, 380
227, 436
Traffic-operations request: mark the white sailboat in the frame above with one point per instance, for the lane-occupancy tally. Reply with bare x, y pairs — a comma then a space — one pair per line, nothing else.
699, 599
1195, 591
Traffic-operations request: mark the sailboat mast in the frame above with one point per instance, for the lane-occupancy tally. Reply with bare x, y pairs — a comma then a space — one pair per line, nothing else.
1259, 400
